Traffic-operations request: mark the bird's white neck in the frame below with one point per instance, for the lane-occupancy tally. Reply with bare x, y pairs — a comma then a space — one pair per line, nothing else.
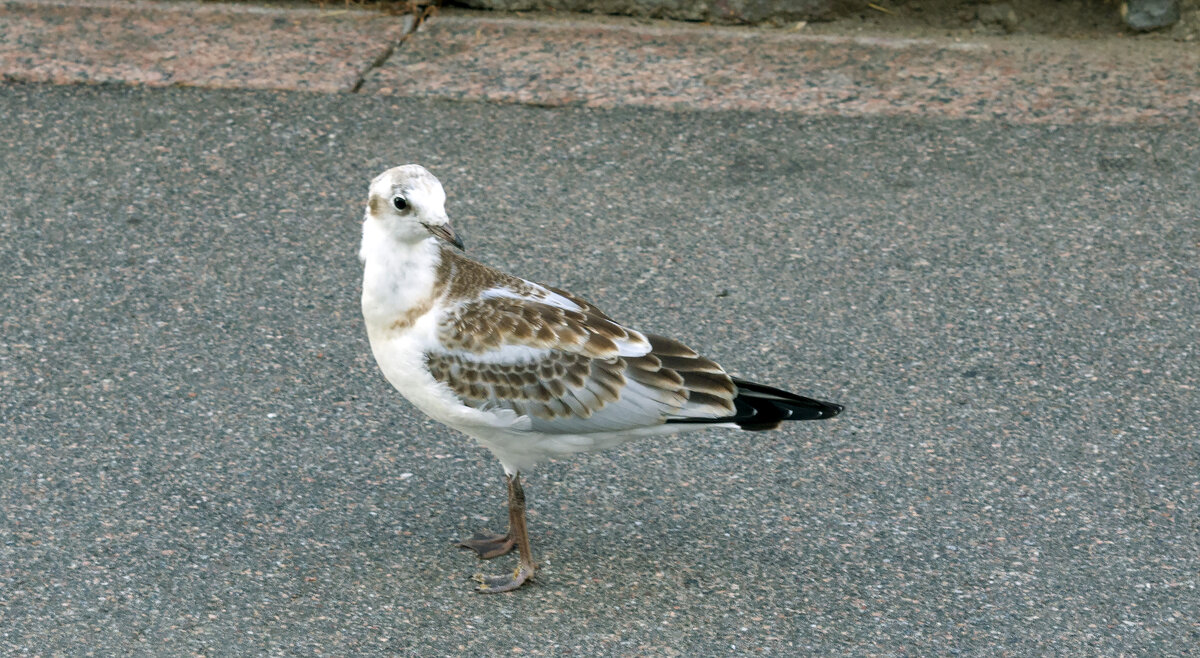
397, 276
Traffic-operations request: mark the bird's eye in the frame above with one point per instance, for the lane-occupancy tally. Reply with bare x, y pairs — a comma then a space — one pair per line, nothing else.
400, 203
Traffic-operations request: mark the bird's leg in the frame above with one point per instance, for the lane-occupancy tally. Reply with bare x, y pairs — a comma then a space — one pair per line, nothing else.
518, 535
488, 545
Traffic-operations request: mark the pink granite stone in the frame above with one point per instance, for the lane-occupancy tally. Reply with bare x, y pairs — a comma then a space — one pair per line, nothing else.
596, 63
701, 67
186, 43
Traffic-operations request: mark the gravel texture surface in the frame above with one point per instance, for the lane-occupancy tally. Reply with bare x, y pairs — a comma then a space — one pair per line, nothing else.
198, 456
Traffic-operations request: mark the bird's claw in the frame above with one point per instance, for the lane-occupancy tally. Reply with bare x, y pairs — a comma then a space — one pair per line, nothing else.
497, 584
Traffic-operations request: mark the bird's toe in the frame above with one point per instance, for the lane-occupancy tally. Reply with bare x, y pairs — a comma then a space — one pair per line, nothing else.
488, 545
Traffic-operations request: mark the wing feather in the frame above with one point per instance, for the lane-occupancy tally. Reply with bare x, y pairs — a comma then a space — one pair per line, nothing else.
546, 354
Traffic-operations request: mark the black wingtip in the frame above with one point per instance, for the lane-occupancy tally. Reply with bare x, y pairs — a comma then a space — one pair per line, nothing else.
760, 407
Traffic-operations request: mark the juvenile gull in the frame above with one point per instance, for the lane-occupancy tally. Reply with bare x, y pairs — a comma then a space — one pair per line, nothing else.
527, 370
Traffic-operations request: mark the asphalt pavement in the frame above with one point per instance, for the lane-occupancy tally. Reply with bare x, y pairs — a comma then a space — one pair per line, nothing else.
198, 455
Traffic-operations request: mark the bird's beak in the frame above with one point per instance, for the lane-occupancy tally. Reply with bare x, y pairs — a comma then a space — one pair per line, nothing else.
446, 232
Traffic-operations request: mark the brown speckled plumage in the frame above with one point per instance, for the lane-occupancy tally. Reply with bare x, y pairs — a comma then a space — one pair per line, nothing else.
574, 365
482, 324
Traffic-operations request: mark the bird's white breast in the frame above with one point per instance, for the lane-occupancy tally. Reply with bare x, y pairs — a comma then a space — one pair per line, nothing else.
396, 277
401, 357
402, 310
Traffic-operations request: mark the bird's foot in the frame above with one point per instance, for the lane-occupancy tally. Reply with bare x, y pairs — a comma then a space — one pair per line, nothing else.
497, 584
488, 545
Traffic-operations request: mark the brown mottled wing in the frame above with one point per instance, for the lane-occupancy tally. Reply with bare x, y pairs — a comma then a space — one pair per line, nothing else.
498, 322
572, 371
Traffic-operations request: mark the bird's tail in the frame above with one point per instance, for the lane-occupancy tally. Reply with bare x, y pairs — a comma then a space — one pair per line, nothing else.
760, 407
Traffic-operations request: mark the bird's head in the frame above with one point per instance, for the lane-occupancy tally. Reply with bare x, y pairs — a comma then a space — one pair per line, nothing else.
410, 204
